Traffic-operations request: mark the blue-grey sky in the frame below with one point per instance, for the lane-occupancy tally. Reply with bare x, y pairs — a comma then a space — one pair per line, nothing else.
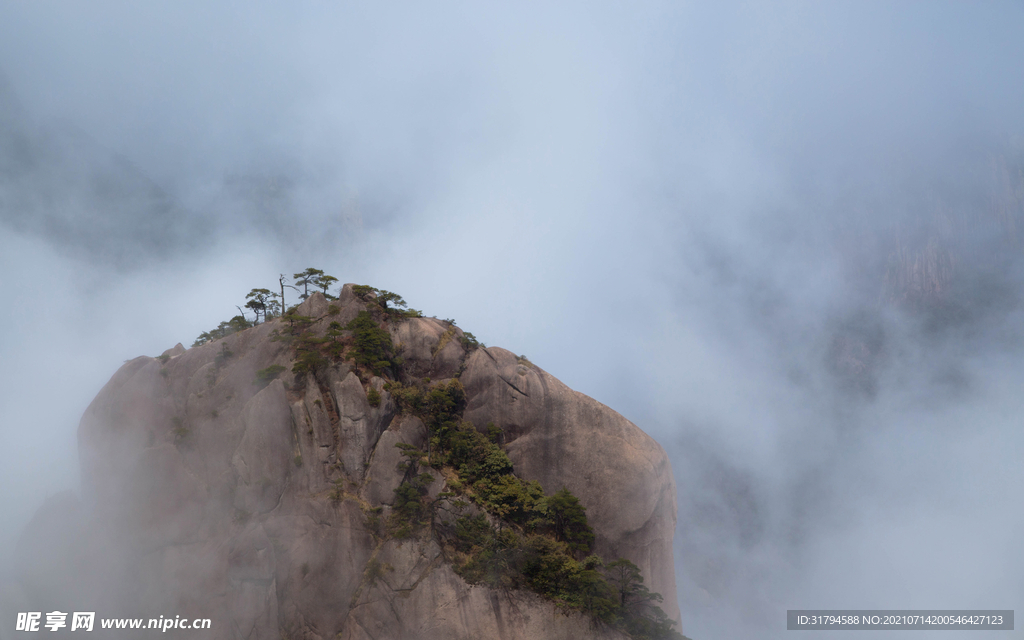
673, 207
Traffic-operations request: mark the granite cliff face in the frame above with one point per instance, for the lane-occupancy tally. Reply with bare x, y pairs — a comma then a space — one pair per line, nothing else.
215, 487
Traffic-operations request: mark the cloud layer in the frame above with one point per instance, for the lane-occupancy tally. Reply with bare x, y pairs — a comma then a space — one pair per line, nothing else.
694, 214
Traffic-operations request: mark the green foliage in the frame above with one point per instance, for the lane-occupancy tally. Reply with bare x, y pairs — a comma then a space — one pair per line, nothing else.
270, 304
308, 277
324, 282
592, 592
410, 512
567, 520
363, 291
273, 307
309, 362
507, 559
373, 397
392, 304
413, 456
472, 454
472, 531
548, 567
163, 358
261, 301
479, 461
264, 376
226, 328
487, 556
373, 347
297, 323
386, 297
408, 398
469, 341
444, 404
336, 348
636, 611
494, 433
510, 498
539, 542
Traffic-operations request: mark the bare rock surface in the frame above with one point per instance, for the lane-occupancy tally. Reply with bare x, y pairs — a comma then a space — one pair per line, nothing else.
383, 474
419, 597
215, 486
563, 438
432, 348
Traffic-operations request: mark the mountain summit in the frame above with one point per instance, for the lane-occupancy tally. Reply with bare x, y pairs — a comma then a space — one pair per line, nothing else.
347, 470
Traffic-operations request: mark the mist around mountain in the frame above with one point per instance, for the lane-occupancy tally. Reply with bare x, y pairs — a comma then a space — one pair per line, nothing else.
780, 239
58, 183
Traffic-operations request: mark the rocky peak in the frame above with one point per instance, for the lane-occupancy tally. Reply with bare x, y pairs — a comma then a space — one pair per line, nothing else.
284, 481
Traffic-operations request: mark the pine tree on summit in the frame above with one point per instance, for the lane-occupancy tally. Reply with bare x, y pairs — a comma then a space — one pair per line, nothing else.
259, 301
325, 282
308, 277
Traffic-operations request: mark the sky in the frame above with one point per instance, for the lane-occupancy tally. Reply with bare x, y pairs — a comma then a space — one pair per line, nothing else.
679, 209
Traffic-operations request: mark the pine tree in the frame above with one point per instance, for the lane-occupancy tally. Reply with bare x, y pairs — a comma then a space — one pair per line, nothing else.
259, 299
569, 521
306, 278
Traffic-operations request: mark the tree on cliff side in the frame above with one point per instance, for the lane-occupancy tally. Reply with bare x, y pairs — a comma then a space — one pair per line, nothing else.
373, 346
638, 609
569, 521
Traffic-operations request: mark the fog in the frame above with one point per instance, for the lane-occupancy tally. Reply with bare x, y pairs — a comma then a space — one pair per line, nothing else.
692, 213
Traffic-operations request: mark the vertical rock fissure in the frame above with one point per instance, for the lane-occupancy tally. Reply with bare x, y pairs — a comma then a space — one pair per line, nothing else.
330, 407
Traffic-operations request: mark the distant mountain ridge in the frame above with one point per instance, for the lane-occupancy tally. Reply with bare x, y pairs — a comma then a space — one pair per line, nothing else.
953, 263
59, 184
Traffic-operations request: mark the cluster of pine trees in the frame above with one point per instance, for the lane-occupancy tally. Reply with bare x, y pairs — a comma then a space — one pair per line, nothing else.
267, 304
